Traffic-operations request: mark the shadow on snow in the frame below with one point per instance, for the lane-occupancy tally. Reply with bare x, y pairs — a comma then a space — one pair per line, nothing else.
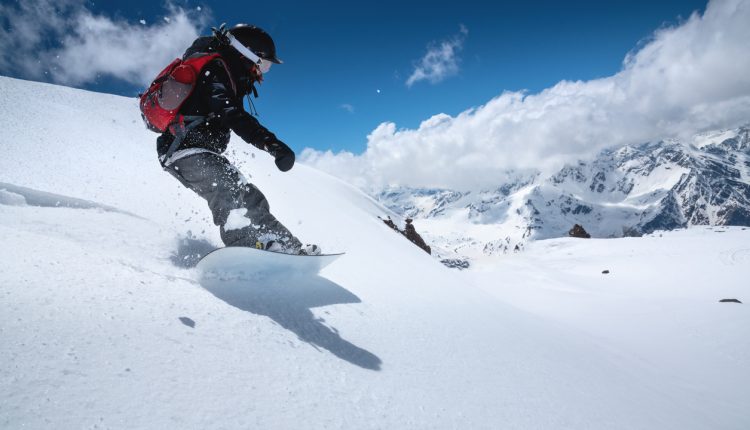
190, 251
288, 301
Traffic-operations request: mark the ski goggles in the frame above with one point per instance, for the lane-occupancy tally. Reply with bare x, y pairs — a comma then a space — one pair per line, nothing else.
263, 65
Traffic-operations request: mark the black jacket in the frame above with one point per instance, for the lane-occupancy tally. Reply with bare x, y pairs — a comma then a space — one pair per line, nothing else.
220, 89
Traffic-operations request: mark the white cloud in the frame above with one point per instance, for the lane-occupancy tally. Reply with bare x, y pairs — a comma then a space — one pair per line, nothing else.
63, 41
347, 107
684, 79
440, 61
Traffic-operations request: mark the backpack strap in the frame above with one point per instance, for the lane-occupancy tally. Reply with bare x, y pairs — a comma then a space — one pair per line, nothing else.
179, 130
199, 60
185, 123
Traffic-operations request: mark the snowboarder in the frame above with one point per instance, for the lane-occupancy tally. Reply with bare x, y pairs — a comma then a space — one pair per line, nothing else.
245, 55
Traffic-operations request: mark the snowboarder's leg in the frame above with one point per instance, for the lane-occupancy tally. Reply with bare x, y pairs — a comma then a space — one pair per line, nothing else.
238, 207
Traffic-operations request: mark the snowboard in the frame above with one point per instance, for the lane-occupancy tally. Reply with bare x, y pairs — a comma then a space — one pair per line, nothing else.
252, 263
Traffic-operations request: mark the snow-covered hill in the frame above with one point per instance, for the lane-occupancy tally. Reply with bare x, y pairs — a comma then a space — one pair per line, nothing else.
104, 324
629, 191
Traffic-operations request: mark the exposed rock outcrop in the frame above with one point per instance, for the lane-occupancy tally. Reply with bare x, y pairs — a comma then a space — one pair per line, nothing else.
578, 231
410, 233
455, 263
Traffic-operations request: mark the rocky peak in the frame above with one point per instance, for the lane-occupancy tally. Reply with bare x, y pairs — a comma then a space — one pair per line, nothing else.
630, 190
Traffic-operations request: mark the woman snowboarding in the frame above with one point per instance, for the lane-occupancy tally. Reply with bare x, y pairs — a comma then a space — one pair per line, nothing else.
205, 89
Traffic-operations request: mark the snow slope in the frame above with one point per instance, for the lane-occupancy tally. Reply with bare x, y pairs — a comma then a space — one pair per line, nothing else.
104, 324
659, 301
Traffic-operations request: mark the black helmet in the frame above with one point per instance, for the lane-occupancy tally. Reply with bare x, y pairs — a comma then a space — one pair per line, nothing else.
257, 40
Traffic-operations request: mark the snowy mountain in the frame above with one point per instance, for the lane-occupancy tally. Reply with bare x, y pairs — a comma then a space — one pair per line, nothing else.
104, 322
629, 191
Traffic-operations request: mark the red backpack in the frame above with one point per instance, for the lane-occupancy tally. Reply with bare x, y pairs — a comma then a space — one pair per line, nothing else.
161, 103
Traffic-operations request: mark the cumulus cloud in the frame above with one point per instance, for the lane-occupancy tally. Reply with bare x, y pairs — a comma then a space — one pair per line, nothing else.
440, 61
64, 42
685, 79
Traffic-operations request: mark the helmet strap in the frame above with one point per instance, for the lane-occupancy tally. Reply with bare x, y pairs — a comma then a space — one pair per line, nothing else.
247, 53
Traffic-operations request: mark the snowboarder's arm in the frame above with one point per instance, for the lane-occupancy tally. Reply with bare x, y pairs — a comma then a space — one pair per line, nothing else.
233, 115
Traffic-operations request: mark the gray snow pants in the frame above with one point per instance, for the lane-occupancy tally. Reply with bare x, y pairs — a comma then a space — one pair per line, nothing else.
238, 207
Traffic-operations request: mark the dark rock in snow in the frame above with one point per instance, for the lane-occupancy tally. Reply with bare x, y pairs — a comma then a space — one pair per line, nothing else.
729, 301
410, 233
605, 272
188, 322
389, 222
578, 231
455, 263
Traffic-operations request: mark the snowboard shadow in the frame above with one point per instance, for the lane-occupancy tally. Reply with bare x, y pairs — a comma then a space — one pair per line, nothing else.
190, 251
288, 302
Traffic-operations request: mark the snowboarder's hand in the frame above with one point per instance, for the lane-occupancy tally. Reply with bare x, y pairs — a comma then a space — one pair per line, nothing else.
282, 153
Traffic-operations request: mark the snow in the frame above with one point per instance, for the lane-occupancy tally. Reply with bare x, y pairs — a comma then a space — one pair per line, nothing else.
237, 220
716, 137
661, 179
11, 198
660, 301
105, 324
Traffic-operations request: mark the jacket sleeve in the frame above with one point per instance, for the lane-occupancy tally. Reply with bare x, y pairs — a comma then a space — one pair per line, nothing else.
230, 112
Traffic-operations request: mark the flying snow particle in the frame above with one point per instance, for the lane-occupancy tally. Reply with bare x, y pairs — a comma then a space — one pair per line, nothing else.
198, 8
237, 220
143, 22
166, 18
378, 91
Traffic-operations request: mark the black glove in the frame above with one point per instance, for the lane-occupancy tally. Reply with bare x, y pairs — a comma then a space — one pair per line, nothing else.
283, 154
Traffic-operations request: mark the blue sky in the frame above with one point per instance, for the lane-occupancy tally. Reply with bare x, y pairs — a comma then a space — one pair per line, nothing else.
339, 54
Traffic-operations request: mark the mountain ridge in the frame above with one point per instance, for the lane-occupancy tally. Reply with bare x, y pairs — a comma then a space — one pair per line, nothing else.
626, 191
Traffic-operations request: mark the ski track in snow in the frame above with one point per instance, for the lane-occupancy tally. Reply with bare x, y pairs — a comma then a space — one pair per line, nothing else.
105, 324
736, 256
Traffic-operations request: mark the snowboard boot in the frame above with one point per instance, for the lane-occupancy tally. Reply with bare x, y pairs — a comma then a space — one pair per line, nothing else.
276, 246
271, 246
309, 250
